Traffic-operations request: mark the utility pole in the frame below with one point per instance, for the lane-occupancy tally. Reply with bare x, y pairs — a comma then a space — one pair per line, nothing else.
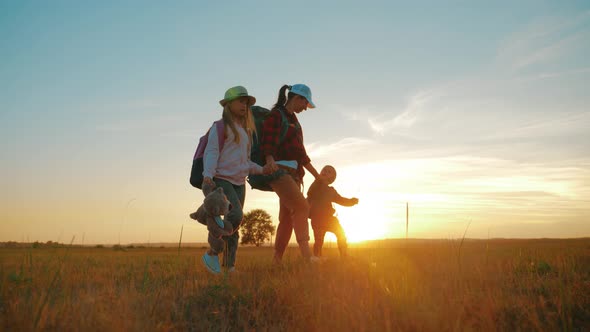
407, 218
180, 240
272, 233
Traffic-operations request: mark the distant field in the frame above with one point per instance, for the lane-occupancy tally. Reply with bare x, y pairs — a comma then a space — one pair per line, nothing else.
425, 285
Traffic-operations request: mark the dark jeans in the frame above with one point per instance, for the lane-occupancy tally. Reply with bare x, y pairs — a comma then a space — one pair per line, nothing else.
236, 196
321, 227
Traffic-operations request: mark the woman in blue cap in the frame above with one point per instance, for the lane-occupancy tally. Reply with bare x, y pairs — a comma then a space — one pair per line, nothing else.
294, 209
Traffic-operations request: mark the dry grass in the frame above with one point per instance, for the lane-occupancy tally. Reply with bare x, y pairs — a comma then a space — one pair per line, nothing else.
505, 285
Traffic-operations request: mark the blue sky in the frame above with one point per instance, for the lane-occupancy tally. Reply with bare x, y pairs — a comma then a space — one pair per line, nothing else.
474, 112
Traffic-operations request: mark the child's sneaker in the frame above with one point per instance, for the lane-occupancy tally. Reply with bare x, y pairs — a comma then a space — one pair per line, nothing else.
315, 259
211, 263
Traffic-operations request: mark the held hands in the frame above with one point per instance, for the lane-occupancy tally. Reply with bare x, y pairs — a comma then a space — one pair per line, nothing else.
323, 179
272, 166
267, 169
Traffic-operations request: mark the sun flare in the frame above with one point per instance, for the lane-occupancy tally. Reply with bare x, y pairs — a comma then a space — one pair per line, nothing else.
363, 222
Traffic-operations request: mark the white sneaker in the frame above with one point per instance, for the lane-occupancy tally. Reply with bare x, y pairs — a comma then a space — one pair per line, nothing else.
211, 263
315, 259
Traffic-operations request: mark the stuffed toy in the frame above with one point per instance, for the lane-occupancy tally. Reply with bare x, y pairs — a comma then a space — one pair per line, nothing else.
209, 213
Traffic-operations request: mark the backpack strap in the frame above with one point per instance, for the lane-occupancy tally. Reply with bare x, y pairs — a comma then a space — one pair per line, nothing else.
220, 133
220, 126
284, 126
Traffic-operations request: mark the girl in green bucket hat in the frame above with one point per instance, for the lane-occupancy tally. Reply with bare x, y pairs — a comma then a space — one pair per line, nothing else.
227, 166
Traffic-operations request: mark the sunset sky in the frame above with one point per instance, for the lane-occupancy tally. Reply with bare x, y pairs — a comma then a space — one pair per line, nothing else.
476, 113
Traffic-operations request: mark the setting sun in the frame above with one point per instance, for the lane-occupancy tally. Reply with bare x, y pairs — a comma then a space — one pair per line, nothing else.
362, 222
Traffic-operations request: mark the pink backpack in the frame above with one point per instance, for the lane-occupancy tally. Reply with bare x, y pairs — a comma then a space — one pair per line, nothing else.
196, 178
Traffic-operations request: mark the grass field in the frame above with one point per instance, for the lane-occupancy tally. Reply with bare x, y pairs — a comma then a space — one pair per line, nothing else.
419, 285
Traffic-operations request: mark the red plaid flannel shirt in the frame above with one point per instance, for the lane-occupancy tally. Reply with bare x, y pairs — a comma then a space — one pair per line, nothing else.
292, 147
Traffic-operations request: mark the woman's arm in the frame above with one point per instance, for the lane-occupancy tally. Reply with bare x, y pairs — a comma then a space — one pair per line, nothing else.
254, 168
313, 171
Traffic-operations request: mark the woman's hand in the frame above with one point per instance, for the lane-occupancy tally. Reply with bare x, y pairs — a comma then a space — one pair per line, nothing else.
270, 163
267, 169
315, 173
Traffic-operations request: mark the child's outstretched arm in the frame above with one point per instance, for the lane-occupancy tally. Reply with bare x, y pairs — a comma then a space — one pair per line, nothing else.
336, 198
348, 201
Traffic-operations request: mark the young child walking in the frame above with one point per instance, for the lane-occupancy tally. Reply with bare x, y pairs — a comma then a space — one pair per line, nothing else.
320, 197
228, 167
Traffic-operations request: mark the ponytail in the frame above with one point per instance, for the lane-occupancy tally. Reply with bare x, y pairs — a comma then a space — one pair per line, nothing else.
282, 100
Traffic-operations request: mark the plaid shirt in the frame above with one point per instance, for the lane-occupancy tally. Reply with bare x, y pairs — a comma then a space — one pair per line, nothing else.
292, 146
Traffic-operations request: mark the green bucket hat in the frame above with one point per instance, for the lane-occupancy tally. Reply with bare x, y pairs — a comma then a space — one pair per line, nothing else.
235, 93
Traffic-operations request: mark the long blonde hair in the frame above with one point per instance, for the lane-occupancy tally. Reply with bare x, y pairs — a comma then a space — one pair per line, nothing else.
248, 123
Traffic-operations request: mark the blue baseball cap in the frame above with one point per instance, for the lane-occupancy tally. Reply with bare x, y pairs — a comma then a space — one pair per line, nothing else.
304, 91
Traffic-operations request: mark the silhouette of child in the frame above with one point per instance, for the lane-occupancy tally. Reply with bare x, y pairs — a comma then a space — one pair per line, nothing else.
320, 197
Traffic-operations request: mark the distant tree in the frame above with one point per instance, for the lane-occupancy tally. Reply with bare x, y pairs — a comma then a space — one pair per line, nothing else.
118, 247
256, 227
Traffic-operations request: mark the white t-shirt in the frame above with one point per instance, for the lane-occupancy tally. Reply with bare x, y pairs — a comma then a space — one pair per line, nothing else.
233, 164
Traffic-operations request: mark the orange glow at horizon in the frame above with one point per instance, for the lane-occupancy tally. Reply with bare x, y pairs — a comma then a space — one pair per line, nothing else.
365, 221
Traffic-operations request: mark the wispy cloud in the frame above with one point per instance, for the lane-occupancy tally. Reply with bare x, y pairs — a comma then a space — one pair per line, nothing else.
359, 114
544, 40
556, 74
494, 106
565, 73
551, 51
345, 146
554, 125
408, 117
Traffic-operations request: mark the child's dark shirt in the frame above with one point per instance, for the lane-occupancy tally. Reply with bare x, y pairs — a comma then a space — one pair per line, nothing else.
321, 196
